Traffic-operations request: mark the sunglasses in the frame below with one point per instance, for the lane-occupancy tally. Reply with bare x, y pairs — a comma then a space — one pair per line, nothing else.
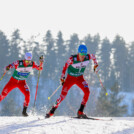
28, 61
83, 54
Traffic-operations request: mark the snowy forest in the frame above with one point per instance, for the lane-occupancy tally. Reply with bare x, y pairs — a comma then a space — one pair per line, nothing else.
116, 64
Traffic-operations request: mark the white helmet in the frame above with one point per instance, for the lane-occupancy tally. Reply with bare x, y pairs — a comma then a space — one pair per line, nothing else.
28, 56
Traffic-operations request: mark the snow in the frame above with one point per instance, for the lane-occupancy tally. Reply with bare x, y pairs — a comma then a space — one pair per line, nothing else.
65, 125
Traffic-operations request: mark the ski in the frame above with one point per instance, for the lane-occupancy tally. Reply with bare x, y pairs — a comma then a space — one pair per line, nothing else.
75, 117
91, 118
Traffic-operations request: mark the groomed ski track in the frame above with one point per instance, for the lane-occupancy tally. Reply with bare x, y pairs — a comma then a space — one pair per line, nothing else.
65, 125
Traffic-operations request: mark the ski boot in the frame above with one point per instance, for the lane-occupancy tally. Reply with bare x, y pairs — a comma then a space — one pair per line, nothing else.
82, 115
80, 112
24, 113
51, 112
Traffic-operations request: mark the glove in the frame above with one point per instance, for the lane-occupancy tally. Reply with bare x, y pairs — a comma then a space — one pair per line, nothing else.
95, 66
62, 80
41, 58
6, 69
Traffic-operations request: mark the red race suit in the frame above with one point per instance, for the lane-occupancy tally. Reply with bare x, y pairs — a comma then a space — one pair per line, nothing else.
75, 70
21, 72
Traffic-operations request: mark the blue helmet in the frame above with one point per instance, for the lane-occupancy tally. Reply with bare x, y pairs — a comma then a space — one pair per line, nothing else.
82, 49
28, 56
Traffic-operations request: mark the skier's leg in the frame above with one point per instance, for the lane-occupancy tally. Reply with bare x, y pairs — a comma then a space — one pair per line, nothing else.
8, 88
67, 85
69, 82
84, 86
25, 90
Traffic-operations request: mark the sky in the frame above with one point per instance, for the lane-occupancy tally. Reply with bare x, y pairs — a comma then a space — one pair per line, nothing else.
33, 17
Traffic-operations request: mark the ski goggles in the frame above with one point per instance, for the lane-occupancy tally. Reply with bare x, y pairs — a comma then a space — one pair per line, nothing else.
83, 54
28, 61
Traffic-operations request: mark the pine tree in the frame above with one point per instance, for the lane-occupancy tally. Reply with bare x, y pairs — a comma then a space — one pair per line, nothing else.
111, 105
60, 54
92, 43
15, 46
130, 69
73, 45
4, 50
120, 59
50, 55
105, 62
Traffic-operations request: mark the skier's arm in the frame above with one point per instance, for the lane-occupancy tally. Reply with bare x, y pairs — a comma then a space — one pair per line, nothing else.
67, 64
40, 67
14, 64
92, 56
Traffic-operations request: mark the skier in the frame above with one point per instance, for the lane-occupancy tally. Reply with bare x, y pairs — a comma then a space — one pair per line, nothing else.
75, 67
21, 72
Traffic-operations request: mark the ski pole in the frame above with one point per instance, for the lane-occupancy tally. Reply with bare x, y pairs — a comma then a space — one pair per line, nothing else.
37, 87
101, 82
37, 83
2, 76
54, 92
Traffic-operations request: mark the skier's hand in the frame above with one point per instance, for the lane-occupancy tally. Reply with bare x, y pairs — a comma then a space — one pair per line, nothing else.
62, 80
6, 69
41, 59
95, 66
